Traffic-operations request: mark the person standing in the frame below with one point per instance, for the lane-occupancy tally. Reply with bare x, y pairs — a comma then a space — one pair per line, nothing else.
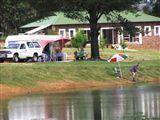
133, 71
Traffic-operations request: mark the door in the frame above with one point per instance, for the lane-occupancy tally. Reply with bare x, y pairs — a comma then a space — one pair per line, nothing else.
108, 35
22, 51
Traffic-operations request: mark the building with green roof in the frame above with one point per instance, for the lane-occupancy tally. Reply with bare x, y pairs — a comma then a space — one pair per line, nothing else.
148, 25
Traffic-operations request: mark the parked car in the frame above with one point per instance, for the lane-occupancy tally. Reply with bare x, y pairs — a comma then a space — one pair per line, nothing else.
23, 50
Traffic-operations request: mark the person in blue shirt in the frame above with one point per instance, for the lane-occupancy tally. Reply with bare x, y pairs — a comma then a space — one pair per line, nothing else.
133, 71
76, 55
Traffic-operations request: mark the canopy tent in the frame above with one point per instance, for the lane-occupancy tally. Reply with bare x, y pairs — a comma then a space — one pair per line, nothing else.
60, 40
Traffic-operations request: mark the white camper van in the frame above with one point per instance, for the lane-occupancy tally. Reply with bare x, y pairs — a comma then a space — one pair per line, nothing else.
29, 46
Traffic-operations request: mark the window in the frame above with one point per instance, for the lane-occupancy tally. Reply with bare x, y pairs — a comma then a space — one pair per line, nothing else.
133, 39
62, 32
156, 30
147, 31
30, 44
23, 46
87, 33
13, 46
36, 44
138, 35
72, 33
127, 37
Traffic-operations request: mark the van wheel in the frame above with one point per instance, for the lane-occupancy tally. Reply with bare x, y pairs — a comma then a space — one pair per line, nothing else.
15, 58
35, 58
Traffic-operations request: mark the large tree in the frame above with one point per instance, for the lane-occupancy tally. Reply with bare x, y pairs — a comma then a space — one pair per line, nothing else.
86, 10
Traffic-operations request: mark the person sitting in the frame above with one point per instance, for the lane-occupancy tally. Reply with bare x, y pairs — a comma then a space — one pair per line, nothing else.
59, 56
54, 57
85, 55
64, 56
81, 54
76, 55
45, 57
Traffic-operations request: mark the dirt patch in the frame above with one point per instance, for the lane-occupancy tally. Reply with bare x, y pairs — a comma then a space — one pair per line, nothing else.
45, 87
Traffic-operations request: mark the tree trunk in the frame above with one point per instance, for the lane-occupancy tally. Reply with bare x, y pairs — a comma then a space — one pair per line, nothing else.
94, 37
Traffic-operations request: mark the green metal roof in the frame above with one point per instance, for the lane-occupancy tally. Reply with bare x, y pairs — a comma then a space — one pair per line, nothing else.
140, 17
60, 19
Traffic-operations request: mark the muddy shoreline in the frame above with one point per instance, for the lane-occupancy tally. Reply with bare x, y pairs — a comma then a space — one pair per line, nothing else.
7, 92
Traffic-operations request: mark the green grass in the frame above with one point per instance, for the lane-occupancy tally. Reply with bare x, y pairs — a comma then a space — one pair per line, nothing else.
27, 74
134, 55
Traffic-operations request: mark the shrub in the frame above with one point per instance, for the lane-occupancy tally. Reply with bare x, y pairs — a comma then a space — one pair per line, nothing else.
102, 43
123, 44
78, 40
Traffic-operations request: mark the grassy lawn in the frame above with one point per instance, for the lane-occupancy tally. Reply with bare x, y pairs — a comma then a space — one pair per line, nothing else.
134, 55
27, 74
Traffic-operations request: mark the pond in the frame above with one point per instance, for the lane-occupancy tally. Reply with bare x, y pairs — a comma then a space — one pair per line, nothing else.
133, 103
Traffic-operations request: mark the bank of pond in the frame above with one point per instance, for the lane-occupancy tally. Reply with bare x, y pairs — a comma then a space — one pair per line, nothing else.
28, 74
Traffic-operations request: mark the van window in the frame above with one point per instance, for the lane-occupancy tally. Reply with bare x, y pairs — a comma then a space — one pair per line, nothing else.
36, 45
30, 45
23, 46
13, 46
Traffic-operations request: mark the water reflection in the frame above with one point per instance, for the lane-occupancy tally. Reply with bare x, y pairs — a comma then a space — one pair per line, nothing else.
115, 104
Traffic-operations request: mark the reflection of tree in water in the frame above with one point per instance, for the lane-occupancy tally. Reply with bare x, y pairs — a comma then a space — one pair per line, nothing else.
97, 105
81, 106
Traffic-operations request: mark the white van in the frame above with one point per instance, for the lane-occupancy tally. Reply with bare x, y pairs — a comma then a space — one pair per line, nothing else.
24, 50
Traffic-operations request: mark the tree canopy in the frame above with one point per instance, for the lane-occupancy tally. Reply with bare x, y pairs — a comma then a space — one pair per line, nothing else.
153, 8
156, 9
14, 13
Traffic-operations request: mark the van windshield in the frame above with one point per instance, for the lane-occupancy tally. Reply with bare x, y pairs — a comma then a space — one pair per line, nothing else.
13, 46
